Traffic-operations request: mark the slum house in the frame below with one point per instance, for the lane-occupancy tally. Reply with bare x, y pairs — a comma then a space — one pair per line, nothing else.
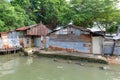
9, 41
112, 44
33, 36
76, 39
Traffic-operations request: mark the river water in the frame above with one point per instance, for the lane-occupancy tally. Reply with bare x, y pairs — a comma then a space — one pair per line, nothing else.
15, 67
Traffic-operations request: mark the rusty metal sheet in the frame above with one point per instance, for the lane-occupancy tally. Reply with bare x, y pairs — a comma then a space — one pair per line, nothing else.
38, 30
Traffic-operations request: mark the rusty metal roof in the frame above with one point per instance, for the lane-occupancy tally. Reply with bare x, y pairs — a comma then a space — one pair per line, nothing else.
22, 28
34, 30
25, 28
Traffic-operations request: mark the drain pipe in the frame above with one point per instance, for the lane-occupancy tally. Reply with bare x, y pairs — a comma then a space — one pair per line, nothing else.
113, 49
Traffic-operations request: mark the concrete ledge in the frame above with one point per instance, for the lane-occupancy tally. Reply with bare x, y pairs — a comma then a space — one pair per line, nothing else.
72, 56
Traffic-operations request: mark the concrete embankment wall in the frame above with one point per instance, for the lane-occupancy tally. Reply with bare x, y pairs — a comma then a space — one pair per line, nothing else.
72, 57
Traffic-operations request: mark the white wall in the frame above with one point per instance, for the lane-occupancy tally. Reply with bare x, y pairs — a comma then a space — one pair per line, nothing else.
97, 45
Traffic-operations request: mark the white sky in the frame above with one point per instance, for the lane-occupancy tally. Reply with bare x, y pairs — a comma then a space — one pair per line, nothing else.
8, 0
118, 5
68, 0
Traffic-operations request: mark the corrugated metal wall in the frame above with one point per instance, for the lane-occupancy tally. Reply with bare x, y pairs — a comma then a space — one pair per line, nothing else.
12, 34
1, 43
108, 47
9, 40
37, 42
47, 42
76, 46
25, 42
117, 50
10, 43
71, 31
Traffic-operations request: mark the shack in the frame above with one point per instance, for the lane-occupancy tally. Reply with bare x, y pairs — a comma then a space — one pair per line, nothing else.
33, 36
112, 43
76, 39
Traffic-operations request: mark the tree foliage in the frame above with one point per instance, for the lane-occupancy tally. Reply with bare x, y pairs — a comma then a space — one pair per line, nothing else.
58, 12
102, 11
12, 17
49, 12
88, 11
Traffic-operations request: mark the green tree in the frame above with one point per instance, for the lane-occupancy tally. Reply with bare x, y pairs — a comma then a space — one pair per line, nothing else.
88, 11
82, 12
12, 17
50, 12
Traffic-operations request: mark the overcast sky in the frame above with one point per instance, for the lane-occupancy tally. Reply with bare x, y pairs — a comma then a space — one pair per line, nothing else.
8, 0
67, 0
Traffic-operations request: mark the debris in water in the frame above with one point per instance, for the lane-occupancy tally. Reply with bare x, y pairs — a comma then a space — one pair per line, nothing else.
60, 67
104, 68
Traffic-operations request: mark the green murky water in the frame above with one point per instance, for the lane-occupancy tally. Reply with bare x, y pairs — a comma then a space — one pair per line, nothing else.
14, 67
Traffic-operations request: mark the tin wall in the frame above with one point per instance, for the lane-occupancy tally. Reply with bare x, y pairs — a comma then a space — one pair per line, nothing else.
74, 46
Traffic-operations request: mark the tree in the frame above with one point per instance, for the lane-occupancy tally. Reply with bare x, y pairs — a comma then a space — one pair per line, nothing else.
12, 17
88, 11
82, 12
49, 12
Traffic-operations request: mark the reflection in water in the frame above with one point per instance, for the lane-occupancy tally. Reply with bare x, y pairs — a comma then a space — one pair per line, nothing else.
8, 66
29, 60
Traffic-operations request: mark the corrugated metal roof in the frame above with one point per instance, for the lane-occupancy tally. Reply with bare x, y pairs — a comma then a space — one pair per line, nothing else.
34, 30
22, 28
25, 28
3, 32
73, 26
80, 28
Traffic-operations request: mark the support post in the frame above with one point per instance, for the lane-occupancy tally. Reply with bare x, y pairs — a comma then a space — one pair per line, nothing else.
113, 49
